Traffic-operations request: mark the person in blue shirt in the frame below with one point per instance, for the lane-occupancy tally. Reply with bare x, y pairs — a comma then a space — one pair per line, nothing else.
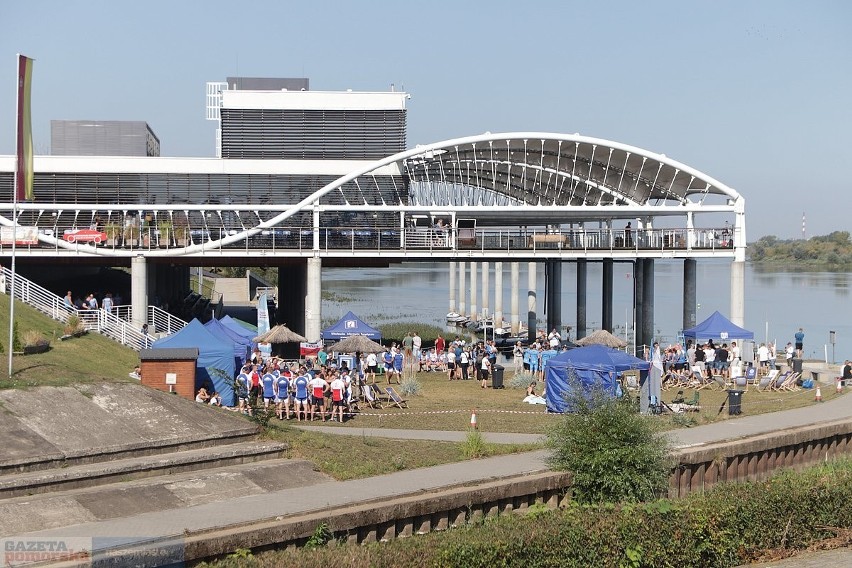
300, 384
268, 384
242, 392
398, 359
282, 397
800, 342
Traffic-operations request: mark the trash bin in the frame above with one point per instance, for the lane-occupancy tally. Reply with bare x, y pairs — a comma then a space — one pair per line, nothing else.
497, 376
797, 365
735, 402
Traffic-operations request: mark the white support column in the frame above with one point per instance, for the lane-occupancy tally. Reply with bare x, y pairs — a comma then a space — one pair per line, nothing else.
139, 290
516, 277
462, 289
313, 300
474, 316
316, 223
738, 265
690, 230
452, 287
485, 286
498, 295
532, 316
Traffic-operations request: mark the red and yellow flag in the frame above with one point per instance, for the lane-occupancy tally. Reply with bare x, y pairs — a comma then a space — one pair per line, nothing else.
24, 172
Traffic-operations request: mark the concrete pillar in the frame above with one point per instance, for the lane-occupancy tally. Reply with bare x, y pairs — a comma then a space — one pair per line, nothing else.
582, 277
648, 301
453, 287
139, 290
516, 314
474, 314
462, 289
313, 300
531, 301
553, 296
738, 293
498, 295
606, 295
690, 295
485, 288
292, 293
638, 301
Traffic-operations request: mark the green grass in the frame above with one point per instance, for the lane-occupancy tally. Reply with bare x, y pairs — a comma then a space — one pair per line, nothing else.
91, 358
353, 457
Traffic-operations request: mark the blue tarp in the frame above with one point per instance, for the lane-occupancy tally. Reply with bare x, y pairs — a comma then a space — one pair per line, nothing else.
593, 367
350, 324
242, 345
212, 354
717, 326
235, 326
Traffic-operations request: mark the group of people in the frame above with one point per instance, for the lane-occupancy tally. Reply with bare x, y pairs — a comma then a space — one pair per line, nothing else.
534, 357
298, 387
90, 302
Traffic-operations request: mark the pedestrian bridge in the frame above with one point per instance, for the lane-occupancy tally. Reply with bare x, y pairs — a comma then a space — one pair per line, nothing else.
514, 196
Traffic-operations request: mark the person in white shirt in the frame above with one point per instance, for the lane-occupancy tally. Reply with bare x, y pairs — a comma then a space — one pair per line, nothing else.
338, 398
763, 355
372, 366
317, 387
484, 368
554, 339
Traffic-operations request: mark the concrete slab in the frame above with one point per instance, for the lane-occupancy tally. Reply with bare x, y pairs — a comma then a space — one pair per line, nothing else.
21, 445
213, 488
114, 503
41, 514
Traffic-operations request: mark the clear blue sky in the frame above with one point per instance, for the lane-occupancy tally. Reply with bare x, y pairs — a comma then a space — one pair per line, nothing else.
756, 94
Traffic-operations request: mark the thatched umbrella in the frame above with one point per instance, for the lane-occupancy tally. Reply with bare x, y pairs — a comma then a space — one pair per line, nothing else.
602, 337
280, 334
357, 343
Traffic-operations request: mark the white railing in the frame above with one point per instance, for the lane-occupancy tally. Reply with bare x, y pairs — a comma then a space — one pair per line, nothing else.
160, 322
106, 323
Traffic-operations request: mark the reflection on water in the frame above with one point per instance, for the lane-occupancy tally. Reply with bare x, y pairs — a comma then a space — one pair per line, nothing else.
778, 301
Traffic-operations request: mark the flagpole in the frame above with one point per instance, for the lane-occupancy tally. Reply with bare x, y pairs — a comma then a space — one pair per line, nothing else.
15, 209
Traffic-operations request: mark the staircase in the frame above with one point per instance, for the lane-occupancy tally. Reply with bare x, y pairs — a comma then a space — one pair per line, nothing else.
115, 324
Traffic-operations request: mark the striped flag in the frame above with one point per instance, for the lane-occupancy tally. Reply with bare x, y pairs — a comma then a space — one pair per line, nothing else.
24, 170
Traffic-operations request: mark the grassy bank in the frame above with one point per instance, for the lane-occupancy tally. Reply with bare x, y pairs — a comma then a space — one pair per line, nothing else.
87, 359
730, 525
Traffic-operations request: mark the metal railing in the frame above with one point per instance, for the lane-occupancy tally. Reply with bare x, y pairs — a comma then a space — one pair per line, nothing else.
301, 239
110, 324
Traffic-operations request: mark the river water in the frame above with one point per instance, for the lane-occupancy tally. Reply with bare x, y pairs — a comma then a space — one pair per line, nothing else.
778, 301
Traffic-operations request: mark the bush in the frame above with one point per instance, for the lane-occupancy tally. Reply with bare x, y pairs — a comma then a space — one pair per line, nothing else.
34, 338
522, 380
16, 338
410, 386
613, 452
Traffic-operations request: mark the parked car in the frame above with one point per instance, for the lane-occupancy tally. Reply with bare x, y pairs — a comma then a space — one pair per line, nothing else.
84, 236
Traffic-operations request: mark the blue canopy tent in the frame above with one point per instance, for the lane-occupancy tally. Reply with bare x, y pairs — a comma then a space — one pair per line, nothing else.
717, 326
350, 324
242, 345
213, 353
595, 366
235, 326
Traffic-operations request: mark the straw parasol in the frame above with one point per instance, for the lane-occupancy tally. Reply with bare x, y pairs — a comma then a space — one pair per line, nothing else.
279, 334
602, 337
355, 343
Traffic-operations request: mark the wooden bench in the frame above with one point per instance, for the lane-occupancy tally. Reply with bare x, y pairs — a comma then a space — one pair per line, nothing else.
559, 239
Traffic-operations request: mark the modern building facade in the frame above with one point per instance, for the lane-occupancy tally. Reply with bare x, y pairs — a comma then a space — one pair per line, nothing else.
102, 138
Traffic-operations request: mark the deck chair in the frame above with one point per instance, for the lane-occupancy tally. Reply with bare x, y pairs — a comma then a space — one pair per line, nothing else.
769, 381
788, 384
370, 399
395, 399
749, 378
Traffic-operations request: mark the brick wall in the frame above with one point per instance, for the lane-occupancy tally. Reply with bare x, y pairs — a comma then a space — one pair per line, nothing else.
154, 376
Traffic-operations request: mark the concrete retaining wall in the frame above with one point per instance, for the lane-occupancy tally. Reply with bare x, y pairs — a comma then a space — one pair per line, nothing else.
699, 468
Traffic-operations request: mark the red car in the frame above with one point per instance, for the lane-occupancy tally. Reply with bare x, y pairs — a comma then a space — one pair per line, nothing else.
84, 236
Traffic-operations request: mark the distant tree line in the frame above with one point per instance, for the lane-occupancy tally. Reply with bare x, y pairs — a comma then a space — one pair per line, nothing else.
834, 250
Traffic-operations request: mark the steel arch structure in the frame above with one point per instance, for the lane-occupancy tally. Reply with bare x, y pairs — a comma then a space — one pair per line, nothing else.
517, 178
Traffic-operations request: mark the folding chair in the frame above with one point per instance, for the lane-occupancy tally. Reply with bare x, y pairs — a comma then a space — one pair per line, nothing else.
395, 399
788, 384
370, 399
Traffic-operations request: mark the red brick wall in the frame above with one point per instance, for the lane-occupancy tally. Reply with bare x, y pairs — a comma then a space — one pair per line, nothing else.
154, 376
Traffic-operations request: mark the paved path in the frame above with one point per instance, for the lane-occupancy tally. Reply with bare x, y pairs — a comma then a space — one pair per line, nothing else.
840, 558
244, 509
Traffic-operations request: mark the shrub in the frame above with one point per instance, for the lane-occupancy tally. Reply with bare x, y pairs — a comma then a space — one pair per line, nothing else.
73, 325
410, 386
522, 380
473, 446
16, 338
613, 452
33, 338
